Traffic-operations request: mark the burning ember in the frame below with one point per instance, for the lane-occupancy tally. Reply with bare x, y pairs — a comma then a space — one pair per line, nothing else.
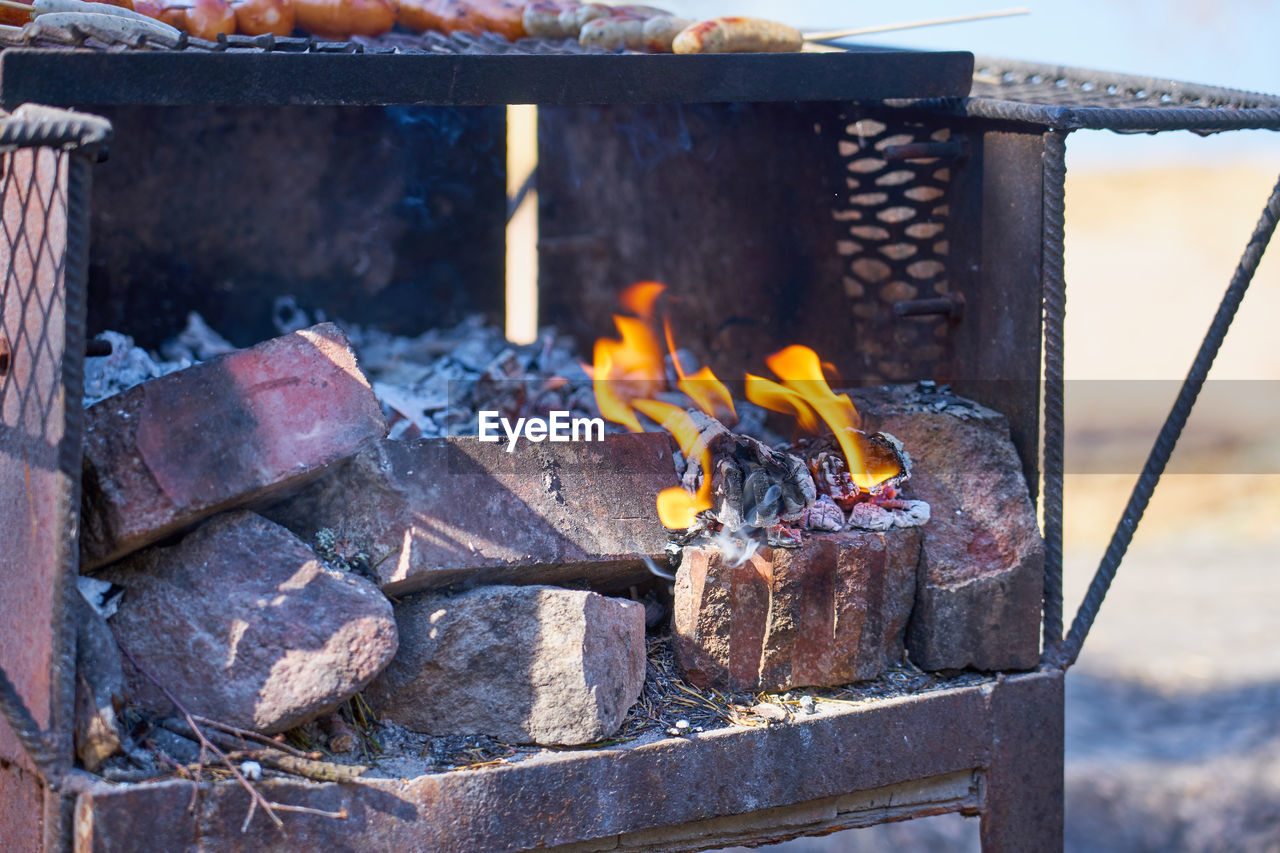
756, 486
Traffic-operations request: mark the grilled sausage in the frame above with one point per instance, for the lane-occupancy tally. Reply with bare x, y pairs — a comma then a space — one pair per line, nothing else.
338, 19
113, 28
203, 19
614, 33
542, 19
123, 8
575, 17
504, 17
207, 18
423, 15
636, 11
738, 35
659, 32
260, 17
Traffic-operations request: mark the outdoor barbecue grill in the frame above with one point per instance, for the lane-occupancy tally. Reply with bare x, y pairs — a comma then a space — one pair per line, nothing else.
977, 299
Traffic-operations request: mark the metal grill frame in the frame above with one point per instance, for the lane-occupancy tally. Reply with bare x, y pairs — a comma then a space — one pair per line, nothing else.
1060, 100
1032, 97
70, 142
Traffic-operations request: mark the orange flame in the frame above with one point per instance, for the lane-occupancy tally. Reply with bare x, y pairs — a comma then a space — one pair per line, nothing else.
677, 509
770, 395
628, 370
640, 298
632, 365
804, 392
703, 388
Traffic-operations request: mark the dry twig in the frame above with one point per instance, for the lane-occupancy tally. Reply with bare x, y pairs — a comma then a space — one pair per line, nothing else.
255, 796
245, 734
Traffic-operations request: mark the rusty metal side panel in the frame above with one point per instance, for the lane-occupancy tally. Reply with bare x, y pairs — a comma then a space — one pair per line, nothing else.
998, 246
21, 798
387, 217
37, 514
729, 204
1024, 799
571, 796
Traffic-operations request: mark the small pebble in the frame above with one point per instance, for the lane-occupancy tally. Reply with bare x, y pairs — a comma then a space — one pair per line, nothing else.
682, 724
808, 704
251, 770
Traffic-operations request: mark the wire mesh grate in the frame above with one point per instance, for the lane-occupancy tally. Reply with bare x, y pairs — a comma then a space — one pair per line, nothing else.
33, 234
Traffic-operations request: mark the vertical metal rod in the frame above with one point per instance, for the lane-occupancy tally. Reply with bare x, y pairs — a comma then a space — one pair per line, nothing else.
1053, 283
18, 717
1167, 439
75, 277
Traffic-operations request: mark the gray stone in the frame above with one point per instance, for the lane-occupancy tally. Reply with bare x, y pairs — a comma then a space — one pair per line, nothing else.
435, 512
522, 664
100, 686
828, 613
981, 569
243, 624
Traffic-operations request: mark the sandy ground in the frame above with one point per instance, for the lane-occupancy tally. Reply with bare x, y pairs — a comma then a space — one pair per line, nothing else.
1173, 710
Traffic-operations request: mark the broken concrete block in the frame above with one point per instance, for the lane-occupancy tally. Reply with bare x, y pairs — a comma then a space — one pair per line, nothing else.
981, 570
100, 686
830, 612
237, 429
518, 663
242, 623
435, 512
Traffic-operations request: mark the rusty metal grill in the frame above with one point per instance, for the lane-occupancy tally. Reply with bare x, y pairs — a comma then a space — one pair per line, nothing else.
1065, 98
905, 251
67, 68
455, 44
1034, 83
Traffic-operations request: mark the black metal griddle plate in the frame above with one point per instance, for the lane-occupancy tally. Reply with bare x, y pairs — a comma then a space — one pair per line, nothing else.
430, 69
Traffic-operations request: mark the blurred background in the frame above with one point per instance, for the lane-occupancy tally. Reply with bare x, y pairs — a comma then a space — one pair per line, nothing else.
1173, 710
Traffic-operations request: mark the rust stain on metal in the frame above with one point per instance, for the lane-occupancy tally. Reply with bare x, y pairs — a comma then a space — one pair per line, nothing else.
584, 795
33, 403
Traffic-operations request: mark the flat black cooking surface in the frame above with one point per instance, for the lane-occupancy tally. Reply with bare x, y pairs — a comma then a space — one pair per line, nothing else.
431, 69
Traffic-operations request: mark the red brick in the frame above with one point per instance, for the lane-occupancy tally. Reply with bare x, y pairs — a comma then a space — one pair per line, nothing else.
442, 511
828, 613
239, 429
981, 569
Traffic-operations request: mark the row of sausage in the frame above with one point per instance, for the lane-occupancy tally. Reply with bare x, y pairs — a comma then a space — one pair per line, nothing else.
633, 27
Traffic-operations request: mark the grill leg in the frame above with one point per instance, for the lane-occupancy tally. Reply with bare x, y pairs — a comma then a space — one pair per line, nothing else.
1024, 777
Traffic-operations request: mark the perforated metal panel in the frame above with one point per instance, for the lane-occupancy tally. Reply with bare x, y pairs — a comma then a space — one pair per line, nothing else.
896, 212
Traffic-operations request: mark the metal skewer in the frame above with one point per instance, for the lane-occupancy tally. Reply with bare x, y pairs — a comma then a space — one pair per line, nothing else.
831, 35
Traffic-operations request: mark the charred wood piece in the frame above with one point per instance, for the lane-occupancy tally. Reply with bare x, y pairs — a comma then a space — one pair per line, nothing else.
753, 486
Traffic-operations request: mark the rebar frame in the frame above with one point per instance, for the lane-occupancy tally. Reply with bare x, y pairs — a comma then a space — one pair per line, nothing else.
1054, 295
1061, 100
1169, 433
